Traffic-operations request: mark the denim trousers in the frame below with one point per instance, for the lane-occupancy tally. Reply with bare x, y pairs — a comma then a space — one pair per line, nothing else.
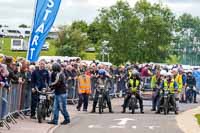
60, 104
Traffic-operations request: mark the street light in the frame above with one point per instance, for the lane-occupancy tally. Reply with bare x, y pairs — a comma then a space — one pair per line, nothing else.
104, 49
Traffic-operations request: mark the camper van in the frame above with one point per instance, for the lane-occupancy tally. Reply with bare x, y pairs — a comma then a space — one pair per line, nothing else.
25, 31
19, 45
1, 32
53, 34
12, 32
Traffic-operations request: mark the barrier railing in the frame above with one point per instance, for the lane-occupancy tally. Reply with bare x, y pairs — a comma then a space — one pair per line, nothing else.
12, 105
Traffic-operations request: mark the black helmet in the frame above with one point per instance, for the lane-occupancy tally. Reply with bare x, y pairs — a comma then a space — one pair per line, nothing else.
56, 67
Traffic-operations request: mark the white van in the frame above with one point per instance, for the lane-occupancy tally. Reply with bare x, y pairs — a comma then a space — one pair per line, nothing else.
1, 32
25, 31
14, 33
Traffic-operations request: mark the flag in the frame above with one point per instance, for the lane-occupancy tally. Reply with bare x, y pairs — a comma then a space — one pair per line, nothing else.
44, 17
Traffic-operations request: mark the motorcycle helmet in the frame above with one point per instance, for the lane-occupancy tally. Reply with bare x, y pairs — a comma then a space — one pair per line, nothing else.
102, 72
136, 73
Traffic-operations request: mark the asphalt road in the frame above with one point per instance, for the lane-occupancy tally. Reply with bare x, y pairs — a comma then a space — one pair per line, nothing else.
126, 123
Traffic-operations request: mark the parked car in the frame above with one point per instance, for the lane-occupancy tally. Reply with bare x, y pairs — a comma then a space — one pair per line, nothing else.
45, 46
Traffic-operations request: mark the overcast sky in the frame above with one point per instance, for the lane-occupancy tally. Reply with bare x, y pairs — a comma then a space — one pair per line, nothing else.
15, 12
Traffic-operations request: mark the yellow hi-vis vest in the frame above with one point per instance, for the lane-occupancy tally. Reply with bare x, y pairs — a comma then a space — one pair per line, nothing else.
134, 88
84, 84
129, 74
179, 81
169, 86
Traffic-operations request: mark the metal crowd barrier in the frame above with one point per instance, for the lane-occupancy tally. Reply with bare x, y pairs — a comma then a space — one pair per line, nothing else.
12, 105
72, 93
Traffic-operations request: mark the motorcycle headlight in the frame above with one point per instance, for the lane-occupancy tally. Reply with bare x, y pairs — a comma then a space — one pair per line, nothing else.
44, 90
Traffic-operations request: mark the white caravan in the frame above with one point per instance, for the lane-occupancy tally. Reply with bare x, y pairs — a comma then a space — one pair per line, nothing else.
19, 45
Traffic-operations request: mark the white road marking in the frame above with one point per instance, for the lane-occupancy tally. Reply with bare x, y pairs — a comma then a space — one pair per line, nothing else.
134, 127
117, 127
152, 127
123, 121
94, 126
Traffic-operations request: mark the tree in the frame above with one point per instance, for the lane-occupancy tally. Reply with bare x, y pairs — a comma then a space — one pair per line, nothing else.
186, 40
23, 26
156, 30
139, 34
71, 42
173, 59
95, 32
80, 25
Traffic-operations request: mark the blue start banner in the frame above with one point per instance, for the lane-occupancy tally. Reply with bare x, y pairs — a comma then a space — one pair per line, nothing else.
44, 17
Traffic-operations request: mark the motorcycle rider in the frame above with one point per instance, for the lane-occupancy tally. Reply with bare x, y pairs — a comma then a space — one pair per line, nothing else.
155, 83
169, 84
191, 83
40, 78
134, 88
102, 80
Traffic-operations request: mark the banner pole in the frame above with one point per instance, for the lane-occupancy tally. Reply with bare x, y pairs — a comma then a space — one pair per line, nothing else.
34, 15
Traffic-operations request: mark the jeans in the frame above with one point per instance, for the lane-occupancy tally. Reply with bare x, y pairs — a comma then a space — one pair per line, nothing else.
155, 98
60, 104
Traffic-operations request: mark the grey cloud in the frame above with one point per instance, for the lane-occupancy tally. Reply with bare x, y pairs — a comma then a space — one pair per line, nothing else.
15, 12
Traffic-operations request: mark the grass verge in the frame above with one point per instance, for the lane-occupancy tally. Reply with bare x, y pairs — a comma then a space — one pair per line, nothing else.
198, 118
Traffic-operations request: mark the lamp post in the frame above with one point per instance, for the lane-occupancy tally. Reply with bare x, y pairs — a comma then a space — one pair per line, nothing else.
104, 50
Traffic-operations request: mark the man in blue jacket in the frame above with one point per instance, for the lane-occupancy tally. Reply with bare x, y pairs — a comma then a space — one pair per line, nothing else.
40, 79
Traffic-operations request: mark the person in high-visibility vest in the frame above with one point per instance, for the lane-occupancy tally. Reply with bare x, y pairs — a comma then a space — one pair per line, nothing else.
134, 86
170, 85
155, 83
84, 90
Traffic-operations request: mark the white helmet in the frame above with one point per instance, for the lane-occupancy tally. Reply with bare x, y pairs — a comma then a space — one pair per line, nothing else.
163, 72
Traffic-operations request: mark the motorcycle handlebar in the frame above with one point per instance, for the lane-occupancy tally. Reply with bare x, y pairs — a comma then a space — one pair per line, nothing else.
50, 92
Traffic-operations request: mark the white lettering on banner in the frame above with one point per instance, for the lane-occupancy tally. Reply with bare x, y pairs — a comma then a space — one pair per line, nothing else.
40, 28
50, 4
46, 14
35, 40
32, 50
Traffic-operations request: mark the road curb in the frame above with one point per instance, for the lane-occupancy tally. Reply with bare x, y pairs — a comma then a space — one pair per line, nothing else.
187, 122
